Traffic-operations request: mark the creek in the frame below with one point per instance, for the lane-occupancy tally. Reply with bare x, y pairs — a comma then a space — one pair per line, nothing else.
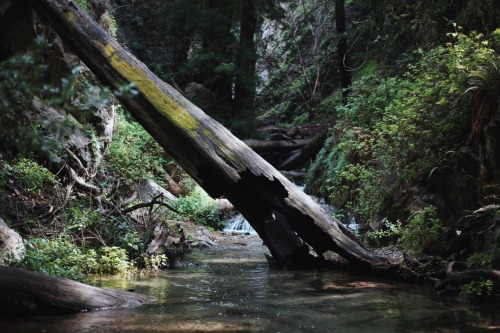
232, 289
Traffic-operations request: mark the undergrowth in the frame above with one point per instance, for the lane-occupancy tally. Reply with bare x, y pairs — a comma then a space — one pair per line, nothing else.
396, 131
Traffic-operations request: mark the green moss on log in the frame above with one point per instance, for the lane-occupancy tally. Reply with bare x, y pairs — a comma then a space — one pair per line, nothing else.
169, 108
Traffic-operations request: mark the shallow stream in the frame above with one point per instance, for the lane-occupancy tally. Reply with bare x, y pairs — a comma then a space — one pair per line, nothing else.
232, 289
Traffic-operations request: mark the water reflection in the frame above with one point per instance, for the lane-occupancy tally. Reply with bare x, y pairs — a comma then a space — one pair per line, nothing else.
233, 290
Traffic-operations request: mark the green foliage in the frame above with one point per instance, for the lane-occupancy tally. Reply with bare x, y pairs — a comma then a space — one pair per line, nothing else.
432, 267
154, 261
134, 154
389, 230
21, 79
495, 40
396, 131
24, 91
480, 260
88, 226
57, 257
83, 4
5, 174
33, 177
424, 229
476, 291
199, 207
112, 260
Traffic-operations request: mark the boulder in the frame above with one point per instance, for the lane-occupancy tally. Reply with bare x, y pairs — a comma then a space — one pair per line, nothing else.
148, 190
225, 206
11, 244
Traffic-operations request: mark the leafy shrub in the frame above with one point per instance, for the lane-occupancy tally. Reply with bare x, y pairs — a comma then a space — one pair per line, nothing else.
134, 154
57, 257
32, 176
476, 291
423, 230
154, 261
480, 260
21, 79
113, 260
89, 227
389, 230
199, 207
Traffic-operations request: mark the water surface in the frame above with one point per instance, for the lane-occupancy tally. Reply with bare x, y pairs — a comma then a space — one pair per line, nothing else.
232, 289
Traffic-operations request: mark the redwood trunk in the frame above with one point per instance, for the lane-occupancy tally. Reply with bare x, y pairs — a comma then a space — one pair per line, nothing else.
285, 218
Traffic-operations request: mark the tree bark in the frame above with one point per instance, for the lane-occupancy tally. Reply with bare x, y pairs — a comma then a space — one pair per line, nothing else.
342, 50
262, 146
289, 222
305, 154
24, 293
246, 59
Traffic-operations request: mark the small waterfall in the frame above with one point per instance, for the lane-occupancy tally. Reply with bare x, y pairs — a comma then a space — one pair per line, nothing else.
238, 224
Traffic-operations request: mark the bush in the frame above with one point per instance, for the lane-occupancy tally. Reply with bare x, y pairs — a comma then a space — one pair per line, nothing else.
480, 260
389, 230
33, 177
23, 80
112, 260
134, 154
199, 207
476, 291
57, 257
423, 230
88, 226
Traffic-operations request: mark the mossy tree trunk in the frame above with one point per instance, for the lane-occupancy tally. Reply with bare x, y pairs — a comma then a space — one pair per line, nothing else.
289, 222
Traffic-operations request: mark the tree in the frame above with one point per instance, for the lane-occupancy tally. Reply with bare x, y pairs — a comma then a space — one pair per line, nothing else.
290, 223
342, 49
215, 60
244, 90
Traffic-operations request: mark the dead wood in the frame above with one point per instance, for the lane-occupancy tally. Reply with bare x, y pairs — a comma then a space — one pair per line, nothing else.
26, 293
156, 201
263, 146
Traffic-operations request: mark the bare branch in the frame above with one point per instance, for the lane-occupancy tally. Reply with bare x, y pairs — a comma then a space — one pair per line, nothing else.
153, 202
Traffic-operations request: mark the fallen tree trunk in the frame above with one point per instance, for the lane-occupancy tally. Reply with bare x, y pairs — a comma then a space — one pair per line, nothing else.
305, 154
455, 278
262, 146
24, 292
289, 222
